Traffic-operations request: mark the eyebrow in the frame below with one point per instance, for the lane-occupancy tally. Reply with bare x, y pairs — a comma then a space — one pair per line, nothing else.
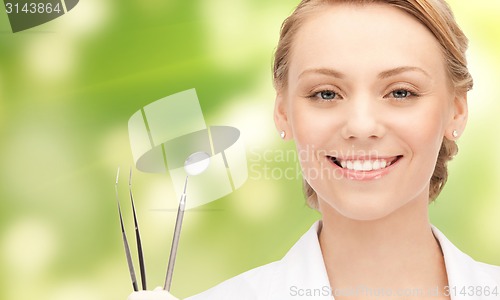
399, 70
382, 75
323, 71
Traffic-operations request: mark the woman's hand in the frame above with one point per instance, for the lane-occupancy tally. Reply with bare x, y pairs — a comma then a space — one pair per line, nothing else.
156, 294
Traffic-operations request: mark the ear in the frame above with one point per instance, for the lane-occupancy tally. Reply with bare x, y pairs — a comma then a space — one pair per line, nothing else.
459, 120
281, 119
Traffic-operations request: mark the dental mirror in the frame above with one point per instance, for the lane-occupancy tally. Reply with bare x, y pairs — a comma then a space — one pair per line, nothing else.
197, 163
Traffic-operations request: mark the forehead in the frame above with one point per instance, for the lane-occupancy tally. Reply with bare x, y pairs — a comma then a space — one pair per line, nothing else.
361, 39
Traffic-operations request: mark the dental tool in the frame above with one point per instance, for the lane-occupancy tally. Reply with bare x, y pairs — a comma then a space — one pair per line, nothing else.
137, 236
124, 237
195, 164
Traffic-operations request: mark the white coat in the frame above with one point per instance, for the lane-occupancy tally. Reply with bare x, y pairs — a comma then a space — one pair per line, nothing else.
301, 274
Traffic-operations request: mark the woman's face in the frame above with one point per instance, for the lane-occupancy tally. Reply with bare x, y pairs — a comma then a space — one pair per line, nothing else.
368, 102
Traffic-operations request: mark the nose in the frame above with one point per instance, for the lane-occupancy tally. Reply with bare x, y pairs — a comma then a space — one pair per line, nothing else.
363, 120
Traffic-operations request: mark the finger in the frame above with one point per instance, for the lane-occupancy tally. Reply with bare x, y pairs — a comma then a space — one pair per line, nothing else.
134, 296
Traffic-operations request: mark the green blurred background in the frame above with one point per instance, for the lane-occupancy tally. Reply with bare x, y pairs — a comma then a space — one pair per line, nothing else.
67, 89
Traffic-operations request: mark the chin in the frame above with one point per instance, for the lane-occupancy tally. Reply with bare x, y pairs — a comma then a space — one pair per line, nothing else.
367, 209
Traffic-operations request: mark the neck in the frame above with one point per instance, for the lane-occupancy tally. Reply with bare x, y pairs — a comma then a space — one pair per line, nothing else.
394, 252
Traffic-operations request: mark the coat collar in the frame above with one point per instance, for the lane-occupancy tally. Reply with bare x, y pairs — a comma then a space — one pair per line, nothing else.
465, 275
303, 269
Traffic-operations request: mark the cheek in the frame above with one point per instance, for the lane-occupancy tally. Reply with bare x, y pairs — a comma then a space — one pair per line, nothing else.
316, 134
422, 132
311, 128
424, 128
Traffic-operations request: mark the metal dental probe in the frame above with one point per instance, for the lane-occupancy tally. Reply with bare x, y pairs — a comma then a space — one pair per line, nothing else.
124, 236
137, 236
175, 241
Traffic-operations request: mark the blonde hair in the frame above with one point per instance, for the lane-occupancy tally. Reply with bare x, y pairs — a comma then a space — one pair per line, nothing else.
437, 16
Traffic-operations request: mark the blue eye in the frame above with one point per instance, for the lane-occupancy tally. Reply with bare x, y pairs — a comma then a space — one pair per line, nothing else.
401, 94
326, 95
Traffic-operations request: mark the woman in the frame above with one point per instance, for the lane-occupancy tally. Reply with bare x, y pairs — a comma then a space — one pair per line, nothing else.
374, 94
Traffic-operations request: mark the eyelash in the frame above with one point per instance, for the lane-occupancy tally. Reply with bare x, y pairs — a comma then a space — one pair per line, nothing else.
411, 94
316, 95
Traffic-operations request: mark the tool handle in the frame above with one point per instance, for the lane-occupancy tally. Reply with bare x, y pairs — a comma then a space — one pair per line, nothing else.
175, 243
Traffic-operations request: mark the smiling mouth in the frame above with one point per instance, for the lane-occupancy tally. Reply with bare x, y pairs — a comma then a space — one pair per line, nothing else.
364, 165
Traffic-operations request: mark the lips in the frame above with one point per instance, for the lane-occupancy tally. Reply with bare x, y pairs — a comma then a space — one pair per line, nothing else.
364, 164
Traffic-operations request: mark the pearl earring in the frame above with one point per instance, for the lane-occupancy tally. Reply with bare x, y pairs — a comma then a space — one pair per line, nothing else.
282, 134
455, 133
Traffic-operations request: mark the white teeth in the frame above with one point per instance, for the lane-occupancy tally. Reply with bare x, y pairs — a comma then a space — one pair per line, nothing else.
357, 165
364, 165
367, 165
383, 164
